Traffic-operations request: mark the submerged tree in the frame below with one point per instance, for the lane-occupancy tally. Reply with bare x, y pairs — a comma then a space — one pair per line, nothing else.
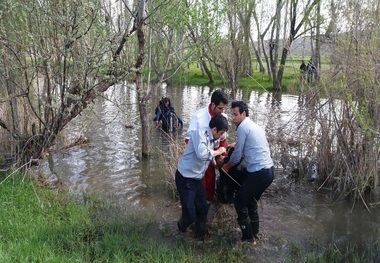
56, 58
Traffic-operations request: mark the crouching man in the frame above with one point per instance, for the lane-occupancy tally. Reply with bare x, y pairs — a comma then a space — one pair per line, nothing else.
190, 170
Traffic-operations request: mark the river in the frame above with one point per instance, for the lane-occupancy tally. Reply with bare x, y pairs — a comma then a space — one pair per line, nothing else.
109, 165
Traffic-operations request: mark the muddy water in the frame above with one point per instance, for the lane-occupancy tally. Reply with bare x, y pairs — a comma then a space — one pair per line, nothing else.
110, 166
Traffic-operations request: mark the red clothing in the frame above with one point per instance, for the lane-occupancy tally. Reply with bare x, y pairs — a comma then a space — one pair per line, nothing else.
210, 177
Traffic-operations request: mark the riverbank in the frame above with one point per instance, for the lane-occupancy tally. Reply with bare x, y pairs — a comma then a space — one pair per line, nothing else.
41, 225
193, 76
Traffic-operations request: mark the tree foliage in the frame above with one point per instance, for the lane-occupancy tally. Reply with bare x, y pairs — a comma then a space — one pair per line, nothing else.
56, 57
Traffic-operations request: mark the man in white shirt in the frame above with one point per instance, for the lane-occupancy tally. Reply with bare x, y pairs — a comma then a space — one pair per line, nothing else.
201, 118
191, 168
252, 145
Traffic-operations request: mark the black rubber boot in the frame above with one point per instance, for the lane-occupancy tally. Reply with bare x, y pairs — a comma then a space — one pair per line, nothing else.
181, 226
246, 229
200, 229
255, 224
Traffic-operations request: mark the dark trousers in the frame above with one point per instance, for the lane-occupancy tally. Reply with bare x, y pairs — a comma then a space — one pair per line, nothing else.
193, 199
249, 193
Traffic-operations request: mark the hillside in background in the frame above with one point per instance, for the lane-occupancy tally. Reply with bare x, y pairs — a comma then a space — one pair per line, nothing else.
303, 47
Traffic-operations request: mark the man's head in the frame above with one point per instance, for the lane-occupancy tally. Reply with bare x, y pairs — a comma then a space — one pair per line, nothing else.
239, 111
219, 101
218, 125
166, 101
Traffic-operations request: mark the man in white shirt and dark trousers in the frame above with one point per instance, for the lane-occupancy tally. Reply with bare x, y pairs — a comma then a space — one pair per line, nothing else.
201, 118
191, 168
252, 145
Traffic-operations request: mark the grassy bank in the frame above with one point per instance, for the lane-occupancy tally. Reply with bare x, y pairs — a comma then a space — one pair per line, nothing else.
192, 75
38, 225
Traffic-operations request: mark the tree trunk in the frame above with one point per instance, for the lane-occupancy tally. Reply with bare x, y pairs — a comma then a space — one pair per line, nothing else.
277, 82
207, 71
317, 56
258, 54
275, 55
141, 93
292, 34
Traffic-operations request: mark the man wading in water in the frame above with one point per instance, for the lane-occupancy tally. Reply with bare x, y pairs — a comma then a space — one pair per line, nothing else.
201, 118
251, 143
191, 168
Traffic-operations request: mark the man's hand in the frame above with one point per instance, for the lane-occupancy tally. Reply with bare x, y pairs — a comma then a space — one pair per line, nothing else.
220, 151
219, 160
227, 166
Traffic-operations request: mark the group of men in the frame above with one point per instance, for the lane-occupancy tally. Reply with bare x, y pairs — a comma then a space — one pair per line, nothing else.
206, 147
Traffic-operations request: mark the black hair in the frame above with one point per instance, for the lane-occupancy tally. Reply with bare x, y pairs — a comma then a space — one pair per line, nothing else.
219, 122
165, 99
219, 96
241, 105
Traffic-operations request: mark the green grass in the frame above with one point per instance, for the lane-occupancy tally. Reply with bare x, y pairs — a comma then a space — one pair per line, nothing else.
38, 225
192, 75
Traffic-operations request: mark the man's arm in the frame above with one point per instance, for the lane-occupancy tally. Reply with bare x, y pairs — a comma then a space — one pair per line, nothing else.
202, 150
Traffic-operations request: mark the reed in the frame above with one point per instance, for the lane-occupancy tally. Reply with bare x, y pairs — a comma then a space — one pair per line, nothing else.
169, 156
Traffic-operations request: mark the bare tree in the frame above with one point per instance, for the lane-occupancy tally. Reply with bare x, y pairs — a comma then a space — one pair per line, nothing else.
260, 38
53, 64
295, 26
245, 14
274, 43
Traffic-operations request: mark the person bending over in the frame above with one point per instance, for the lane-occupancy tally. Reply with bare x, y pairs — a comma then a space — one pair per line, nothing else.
200, 118
251, 143
190, 170
164, 107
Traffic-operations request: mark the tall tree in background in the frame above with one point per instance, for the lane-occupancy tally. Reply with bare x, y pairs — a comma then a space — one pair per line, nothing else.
295, 26
245, 13
317, 54
274, 42
202, 27
257, 47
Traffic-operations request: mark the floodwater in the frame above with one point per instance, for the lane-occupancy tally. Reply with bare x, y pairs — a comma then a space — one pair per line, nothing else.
109, 165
